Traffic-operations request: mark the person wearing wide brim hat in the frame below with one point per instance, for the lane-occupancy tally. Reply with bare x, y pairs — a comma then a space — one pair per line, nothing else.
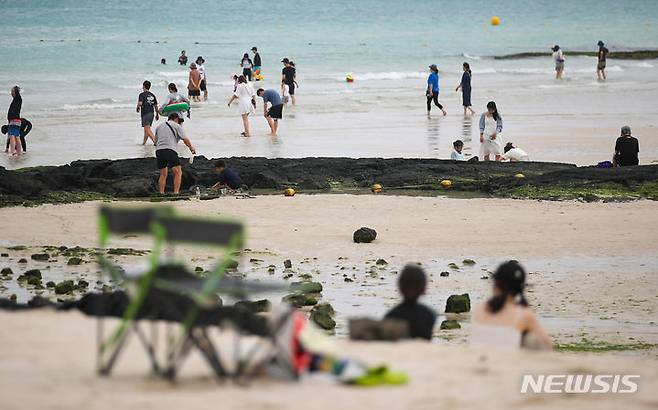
432, 92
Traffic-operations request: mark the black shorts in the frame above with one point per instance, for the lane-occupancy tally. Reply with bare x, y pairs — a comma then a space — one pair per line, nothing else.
167, 158
147, 119
291, 88
193, 93
203, 85
275, 112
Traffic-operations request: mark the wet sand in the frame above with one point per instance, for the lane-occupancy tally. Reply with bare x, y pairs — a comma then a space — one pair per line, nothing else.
48, 363
593, 265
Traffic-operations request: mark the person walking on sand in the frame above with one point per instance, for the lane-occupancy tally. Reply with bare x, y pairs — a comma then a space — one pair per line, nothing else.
175, 97
289, 78
602, 57
275, 111
202, 70
194, 84
182, 59
247, 66
14, 121
465, 86
244, 94
26, 127
558, 57
627, 148
147, 106
506, 320
491, 125
167, 136
432, 91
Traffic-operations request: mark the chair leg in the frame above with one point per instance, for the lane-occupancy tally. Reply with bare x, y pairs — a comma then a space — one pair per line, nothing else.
202, 341
106, 368
148, 346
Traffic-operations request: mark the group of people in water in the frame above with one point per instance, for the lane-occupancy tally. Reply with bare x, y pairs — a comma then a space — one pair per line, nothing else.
601, 60
505, 320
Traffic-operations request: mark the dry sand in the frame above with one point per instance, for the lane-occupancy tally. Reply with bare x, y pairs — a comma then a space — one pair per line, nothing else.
593, 276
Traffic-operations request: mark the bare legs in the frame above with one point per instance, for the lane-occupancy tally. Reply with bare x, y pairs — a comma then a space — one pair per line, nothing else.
274, 125
600, 74
15, 147
467, 109
245, 123
178, 177
148, 134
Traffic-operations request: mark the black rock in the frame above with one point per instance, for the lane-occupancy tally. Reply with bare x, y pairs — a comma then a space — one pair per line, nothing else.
381, 262
450, 325
50, 284
82, 284
33, 273
299, 300
256, 306
4, 255
287, 264
34, 280
22, 260
64, 287
40, 256
364, 235
6, 272
444, 274
322, 314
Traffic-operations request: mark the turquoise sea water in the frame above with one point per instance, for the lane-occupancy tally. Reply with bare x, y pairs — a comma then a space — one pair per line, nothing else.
81, 64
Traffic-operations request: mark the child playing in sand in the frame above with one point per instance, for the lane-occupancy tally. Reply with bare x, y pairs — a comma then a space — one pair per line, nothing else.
514, 154
411, 283
505, 320
457, 154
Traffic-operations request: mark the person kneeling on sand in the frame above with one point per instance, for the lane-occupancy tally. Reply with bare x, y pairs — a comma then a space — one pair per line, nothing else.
514, 154
421, 319
505, 320
228, 178
275, 112
167, 136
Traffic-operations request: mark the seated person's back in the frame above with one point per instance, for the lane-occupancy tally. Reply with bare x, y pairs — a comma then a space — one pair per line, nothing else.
421, 319
627, 148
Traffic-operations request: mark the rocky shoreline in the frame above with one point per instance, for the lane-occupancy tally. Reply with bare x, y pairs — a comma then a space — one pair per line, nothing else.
137, 179
614, 55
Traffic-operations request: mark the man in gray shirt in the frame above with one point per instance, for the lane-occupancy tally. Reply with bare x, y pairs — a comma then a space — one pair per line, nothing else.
275, 112
167, 136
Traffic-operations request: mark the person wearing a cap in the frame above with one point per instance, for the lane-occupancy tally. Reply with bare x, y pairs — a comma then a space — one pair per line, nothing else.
202, 70
602, 57
627, 148
289, 78
167, 136
194, 84
432, 91
558, 56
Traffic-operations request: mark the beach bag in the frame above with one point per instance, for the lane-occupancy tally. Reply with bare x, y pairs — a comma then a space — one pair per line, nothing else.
604, 164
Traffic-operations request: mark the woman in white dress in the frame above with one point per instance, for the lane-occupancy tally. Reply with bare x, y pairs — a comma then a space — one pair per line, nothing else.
491, 125
506, 320
244, 94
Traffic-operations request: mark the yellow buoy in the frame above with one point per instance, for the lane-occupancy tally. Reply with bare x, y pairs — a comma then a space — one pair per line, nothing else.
519, 176
495, 21
349, 78
376, 188
446, 184
289, 192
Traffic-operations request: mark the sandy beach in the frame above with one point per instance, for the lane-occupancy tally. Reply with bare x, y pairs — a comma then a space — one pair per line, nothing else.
592, 265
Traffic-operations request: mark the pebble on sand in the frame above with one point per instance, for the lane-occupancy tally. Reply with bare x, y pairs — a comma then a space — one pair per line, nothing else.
364, 235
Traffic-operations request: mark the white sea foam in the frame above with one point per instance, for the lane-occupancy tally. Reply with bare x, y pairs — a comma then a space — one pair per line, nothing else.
471, 57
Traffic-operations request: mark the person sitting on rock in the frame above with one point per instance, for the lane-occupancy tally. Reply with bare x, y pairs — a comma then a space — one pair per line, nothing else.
421, 319
505, 320
228, 178
627, 148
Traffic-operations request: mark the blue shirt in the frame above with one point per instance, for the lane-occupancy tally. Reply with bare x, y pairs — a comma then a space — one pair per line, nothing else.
272, 97
433, 80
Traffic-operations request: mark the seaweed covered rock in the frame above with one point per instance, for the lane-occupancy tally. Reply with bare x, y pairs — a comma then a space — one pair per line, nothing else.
255, 306
450, 325
306, 287
40, 257
6, 272
74, 261
364, 235
299, 300
322, 315
64, 287
458, 303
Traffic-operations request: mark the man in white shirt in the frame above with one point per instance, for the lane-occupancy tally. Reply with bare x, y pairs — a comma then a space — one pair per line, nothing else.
513, 154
